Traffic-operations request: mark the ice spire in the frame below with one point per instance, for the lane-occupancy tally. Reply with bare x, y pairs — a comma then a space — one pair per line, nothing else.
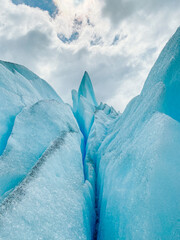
86, 89
84, 105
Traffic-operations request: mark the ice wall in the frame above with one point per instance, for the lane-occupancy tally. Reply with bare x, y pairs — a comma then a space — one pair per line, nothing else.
137, 164
50, 203
43, 192
19, 87
34, 130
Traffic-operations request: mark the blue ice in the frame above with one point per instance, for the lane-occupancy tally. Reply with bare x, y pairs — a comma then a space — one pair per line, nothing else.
89, 172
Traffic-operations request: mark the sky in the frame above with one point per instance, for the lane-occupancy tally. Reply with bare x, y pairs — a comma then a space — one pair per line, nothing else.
115, 41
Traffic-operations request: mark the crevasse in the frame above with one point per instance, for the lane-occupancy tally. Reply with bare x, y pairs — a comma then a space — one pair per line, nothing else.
132, 160
87, 111
90, 172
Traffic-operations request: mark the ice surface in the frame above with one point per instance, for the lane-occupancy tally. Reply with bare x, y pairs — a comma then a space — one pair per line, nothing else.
21, 81
167, 71
19, 88
50, 203
86, 90
137, 164
43, 192
34, 129
84, 105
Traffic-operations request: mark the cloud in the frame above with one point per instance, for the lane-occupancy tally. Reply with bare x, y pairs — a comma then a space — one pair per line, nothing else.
85, 35
119, 10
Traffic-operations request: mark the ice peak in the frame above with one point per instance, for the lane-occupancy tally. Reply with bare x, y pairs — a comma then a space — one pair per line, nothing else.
86, 89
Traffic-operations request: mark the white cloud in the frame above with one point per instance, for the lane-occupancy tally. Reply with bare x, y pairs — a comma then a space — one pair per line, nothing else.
29, 36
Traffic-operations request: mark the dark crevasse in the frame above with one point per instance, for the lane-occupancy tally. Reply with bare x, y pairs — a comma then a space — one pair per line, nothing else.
84, 106
93, 121
104, 120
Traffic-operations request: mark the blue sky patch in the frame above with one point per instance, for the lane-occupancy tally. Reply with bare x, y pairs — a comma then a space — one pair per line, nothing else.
46, 5
74, 36
116, 39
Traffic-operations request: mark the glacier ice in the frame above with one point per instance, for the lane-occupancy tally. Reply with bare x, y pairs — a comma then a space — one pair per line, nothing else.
84, 105
49, 203
41, 127
19, 88
88, 172
86, 90
43, 192
132, 159
137, 164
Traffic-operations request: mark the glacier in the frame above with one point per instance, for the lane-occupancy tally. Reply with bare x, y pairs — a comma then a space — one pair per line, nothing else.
43, 192
87, 171
137, 164
84, 105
